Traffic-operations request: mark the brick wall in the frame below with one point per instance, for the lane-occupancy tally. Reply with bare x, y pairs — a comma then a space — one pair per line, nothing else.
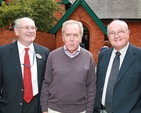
47, 40
96, 35
135, 32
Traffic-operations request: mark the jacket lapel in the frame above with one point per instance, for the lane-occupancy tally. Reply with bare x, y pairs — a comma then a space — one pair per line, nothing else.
127, 62
105, 63
38, 56
16, 59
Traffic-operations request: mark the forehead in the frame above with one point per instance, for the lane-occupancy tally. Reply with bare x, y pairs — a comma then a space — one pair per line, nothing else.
26, 22
117, 25
72, 27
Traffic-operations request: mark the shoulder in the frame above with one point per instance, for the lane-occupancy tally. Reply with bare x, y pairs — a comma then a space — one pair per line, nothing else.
7, 47
57, 52
104, 48
134, 50
105, 52
41, 48
86, 53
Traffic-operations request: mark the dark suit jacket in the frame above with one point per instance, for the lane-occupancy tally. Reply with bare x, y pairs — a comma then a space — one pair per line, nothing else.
86, 43
104, 48
11, 82
127, 89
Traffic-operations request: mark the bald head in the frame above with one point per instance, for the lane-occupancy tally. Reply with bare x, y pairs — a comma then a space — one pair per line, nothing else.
119, 22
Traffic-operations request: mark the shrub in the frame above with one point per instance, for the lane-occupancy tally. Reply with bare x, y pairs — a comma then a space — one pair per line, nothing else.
42, 11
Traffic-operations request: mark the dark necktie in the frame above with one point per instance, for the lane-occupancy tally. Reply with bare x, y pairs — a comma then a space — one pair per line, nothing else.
28, 93
111, 83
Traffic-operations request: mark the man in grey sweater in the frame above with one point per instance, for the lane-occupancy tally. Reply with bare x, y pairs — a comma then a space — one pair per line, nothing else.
69, 82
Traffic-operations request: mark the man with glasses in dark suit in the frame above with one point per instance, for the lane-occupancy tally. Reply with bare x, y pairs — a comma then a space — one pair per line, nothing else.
13, 83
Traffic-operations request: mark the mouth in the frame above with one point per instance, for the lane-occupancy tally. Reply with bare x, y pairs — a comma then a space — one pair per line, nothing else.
71, 44
30, 36
117, 40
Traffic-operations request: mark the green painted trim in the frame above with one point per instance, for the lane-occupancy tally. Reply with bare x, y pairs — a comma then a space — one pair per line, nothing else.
64, 2
63, 19
1, 1
71, 10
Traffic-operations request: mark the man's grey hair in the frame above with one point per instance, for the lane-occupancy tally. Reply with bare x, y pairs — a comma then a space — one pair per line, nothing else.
17, 21
73, 22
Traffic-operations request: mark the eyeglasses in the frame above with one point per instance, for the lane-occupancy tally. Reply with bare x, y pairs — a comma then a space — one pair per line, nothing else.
121, 32
28, 27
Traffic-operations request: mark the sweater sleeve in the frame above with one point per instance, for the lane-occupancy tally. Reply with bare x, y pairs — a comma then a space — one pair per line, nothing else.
45, 86
91, 87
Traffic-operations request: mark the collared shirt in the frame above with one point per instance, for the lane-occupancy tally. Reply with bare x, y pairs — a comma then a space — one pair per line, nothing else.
33, 64
71, 55
123, 52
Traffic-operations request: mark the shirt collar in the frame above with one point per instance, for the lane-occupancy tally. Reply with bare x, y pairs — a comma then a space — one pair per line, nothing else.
71, 55
123, 50
21, 47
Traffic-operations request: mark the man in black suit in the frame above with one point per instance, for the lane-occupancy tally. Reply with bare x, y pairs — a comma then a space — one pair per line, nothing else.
126, 94
12, 69
85, 41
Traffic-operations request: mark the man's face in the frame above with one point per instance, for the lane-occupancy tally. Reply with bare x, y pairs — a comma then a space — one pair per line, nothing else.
72, 37
118, 35
26, 31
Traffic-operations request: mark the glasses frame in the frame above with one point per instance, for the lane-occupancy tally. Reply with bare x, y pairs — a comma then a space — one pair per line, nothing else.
28, 27
119, 33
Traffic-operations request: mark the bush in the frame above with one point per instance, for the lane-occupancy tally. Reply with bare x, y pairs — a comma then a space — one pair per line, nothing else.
42, 11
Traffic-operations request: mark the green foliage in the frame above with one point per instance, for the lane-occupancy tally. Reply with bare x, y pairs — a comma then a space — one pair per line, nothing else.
41, 11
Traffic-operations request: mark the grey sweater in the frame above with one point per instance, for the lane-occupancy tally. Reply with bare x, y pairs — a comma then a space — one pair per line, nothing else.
69, 85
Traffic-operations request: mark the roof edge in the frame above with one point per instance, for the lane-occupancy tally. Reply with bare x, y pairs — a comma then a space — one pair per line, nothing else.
70, 11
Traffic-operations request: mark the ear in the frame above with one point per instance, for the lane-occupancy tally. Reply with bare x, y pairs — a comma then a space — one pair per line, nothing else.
80, 39
128, 31
63, 38
16, 30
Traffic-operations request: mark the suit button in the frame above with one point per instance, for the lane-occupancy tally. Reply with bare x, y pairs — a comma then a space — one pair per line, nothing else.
21, 104
102, 89
98, 110
22, 90
100, 100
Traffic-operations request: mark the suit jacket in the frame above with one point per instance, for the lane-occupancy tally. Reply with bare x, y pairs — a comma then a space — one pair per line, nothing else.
11, 81
86, 43
127, 89
104, 48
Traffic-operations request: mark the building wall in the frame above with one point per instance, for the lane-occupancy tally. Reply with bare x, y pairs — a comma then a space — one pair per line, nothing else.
135, 32
96, 35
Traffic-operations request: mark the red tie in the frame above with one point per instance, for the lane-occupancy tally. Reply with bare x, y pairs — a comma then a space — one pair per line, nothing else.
28, 93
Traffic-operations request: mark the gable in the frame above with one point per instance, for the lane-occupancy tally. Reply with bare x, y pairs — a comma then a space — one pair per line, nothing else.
72, 9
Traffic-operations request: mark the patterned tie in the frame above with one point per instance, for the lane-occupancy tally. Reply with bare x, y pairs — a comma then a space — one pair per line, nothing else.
111, 83
28, 93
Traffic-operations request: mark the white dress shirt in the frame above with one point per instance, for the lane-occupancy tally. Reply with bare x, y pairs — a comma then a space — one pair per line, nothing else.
33, 64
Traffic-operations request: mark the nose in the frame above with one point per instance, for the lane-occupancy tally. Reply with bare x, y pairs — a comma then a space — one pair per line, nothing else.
71, 37
116, 35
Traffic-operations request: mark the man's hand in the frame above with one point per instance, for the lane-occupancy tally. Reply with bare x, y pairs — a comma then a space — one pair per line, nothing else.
45, 112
